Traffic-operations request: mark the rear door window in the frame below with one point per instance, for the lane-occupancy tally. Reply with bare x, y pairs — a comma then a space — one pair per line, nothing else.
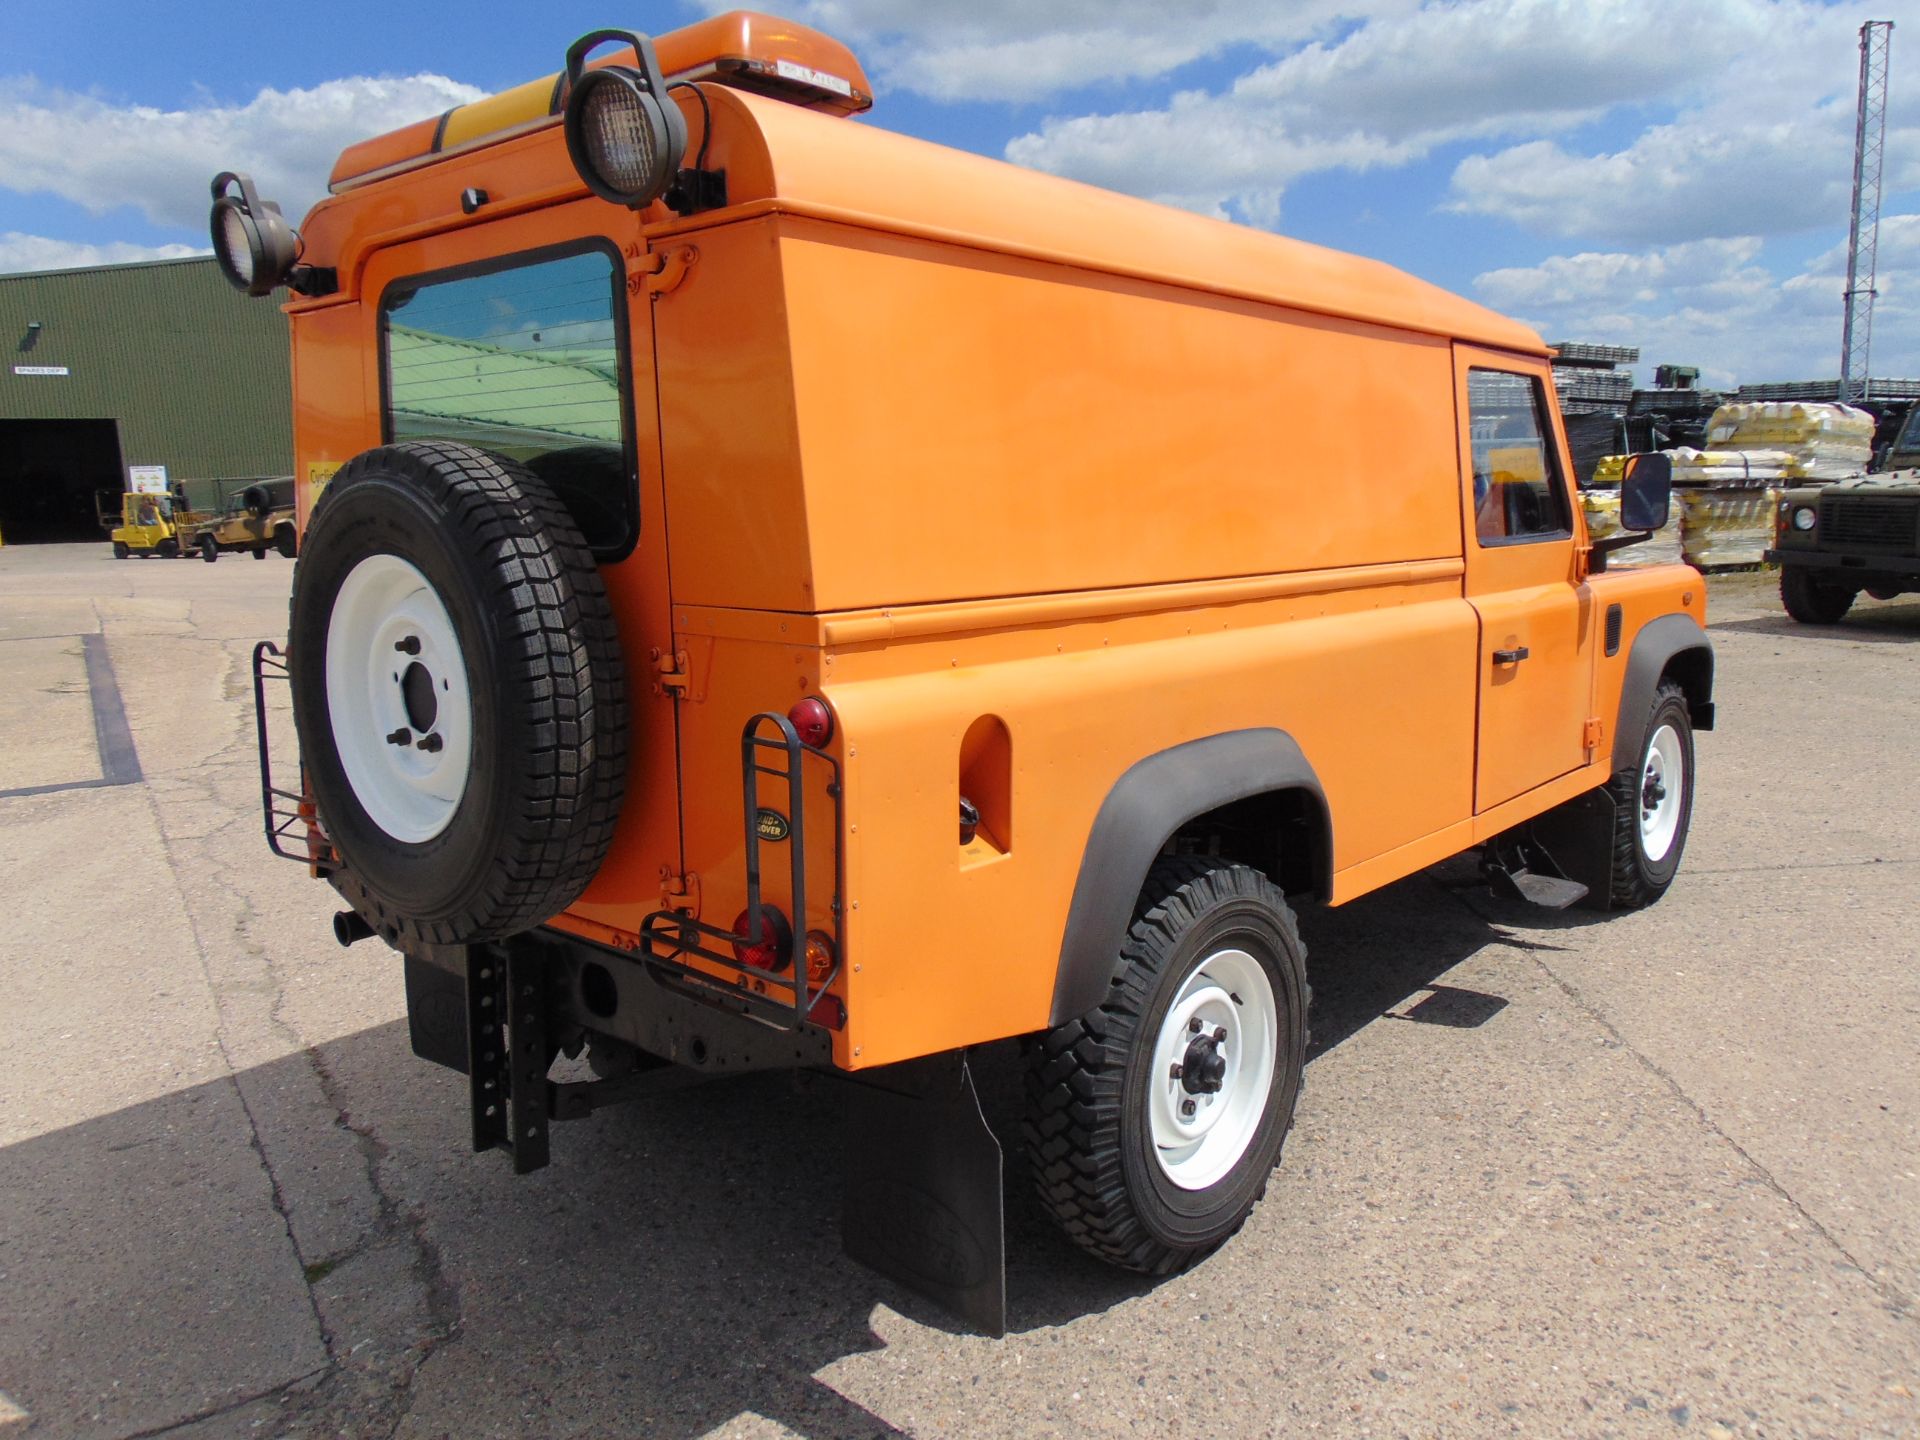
526, 357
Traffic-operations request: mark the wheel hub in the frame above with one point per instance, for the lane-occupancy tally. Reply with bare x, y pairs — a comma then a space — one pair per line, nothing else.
1204, 1070
1663, 778
397, 698
416, 693
1213, 1068
1652, 793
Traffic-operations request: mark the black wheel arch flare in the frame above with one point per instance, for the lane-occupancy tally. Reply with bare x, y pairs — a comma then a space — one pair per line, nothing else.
1146, 806
1675, 645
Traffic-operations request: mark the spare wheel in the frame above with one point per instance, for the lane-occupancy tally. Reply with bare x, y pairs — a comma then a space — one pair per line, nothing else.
458, 691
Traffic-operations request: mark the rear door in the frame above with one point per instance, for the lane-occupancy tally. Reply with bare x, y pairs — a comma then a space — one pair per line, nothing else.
532, 336
1536, 621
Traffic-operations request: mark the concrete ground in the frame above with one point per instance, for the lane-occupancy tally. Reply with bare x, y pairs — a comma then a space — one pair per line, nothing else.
1553, 1174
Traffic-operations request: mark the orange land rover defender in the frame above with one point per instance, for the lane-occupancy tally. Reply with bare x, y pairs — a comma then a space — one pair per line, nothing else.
773, 592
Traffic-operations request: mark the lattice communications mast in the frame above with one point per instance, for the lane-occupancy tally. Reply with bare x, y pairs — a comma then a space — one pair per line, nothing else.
1863, 239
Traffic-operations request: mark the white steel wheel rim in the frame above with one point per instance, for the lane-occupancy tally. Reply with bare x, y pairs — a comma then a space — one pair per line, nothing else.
1227, 992
409, 787
1663, 781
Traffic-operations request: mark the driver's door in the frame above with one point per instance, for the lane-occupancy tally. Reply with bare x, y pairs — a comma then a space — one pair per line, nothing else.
1536, 622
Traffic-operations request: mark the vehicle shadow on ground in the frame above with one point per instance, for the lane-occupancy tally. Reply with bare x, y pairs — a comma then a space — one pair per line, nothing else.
1871, 622
677, 1266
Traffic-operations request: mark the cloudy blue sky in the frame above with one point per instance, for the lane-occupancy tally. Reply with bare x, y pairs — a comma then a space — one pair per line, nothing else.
1667, 174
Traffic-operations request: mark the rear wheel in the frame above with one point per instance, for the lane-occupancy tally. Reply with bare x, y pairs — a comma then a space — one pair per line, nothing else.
1811, 600
1154, 1121
120, 550
209, 549
459, 694
286, 542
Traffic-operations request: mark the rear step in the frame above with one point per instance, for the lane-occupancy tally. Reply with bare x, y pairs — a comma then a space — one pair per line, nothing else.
1518, 867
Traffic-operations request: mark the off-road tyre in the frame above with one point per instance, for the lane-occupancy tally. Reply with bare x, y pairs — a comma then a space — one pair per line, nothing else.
544, 670
1636, 878
1812, 600
209, 549
121, 550
1087, 1131
286, 541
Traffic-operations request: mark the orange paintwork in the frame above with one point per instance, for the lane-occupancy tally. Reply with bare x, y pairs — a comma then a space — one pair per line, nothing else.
941, 439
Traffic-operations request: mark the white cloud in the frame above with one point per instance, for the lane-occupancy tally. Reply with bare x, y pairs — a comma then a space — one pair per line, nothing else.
1767, 150
1021, 50
103, 155
1713, 303
1391, 91
19, 252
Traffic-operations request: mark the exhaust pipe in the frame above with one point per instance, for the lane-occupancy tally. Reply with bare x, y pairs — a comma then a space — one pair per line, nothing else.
348, 927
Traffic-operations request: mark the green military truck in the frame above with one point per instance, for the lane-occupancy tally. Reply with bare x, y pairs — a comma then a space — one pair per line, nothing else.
1833, 541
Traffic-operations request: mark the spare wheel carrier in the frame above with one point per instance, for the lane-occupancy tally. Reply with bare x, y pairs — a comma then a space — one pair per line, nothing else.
458, 691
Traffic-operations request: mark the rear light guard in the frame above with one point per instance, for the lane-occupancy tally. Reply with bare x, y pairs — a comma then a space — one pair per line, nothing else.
779, 970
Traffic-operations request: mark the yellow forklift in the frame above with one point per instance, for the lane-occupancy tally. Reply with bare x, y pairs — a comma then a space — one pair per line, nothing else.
153, 524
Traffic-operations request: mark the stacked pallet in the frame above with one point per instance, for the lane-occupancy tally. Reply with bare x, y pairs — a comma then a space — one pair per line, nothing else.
1822, 442
1726, 502
1827, 390
1588, 379
1726, 527
1603, 519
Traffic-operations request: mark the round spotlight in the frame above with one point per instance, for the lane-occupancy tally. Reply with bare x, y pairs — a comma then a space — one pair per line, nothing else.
252, 241
625, 138
1804, 518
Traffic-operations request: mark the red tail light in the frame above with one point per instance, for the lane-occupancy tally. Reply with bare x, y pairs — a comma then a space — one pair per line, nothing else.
820, 956
812, 721
774, 950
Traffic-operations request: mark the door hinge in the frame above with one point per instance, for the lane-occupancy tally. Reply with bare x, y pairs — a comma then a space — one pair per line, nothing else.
670, 673
658, 273
679, 892
1592, 733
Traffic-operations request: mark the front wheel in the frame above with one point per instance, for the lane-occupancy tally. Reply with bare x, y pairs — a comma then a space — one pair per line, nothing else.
120, 550
1154, 1121
1811, 600
168, 549
1653, 805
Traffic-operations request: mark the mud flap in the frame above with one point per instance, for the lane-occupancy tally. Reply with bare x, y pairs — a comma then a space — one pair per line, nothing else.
924, 1201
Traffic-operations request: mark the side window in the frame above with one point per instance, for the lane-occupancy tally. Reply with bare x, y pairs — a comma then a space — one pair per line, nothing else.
526, 358
1518, 493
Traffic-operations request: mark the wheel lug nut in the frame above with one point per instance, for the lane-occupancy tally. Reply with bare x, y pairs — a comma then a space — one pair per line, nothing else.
1178, 1071
1187, 1107
408, 646
1220, 1035
430, 744
1193, 1025
400, 736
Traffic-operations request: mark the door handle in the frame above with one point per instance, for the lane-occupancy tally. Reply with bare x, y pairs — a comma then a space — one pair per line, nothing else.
1510, 657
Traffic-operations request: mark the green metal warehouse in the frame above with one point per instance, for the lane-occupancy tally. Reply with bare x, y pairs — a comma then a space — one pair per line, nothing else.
121, 365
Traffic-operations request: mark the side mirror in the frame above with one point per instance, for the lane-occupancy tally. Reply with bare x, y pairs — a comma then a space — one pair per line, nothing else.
1646, 493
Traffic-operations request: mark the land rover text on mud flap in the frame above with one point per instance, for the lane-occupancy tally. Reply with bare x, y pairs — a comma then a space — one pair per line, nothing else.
1833, 541
773, 592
